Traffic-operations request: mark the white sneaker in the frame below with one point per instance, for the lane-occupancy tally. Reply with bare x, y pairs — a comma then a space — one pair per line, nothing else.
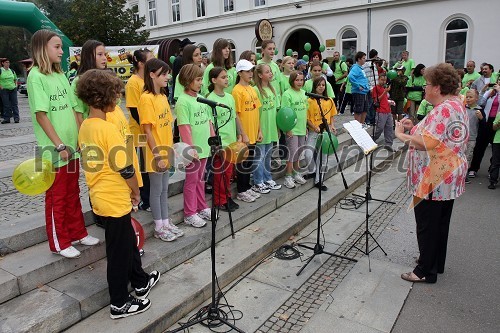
175, 230
195, 220
87, 240
260, 188
165, 234
289, 183
253, 193
299, 179
206, 214
244, 196
472, 174
69, 252
271, 184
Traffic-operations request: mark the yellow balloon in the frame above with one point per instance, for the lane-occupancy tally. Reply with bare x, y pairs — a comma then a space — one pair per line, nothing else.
236, 152
34, 176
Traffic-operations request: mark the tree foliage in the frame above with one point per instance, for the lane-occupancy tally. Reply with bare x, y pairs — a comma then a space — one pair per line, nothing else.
105, 20
14, 45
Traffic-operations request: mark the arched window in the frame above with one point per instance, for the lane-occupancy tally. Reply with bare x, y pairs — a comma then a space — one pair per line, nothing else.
456, 42
398, 42
203, 48
349, 43
233, 50
258, 47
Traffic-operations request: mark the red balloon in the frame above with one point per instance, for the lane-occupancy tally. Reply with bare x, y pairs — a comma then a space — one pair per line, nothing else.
139, 233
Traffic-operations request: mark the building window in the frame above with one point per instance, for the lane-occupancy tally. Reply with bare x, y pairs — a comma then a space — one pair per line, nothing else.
176, 10
260, 3
135, 9
349, 43
200, 8
456, 43
202, 48
398, 42
228, 5
233, 49
152, 12
258, 47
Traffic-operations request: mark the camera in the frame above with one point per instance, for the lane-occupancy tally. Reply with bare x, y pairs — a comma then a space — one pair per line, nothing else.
491, 85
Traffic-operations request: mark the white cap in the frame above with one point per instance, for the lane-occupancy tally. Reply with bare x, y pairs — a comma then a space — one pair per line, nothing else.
244, 65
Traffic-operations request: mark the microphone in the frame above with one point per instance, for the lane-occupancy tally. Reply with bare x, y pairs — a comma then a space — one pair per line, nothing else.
316, 96
211, 103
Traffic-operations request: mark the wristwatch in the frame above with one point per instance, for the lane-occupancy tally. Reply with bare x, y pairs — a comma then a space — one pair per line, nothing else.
61, 147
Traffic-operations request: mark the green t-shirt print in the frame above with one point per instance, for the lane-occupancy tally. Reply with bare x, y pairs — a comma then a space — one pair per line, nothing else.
226, 119
267, 113
51, 94
297, 100
197, 115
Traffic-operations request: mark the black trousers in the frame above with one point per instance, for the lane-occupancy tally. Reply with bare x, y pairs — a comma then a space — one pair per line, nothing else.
484, 138
339, 95
433, 224
495, 163
124, 261
244, 170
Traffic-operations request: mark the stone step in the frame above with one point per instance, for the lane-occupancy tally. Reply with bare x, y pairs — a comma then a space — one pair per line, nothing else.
87, 284
29, 230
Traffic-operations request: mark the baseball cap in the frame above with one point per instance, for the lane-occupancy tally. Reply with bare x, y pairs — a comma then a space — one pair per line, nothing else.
301, 62
244, 65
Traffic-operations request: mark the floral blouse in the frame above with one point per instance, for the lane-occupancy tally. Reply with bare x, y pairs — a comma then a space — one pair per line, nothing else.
440, 171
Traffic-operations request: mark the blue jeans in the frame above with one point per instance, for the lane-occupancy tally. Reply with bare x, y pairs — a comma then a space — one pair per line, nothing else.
9, 101
263, 159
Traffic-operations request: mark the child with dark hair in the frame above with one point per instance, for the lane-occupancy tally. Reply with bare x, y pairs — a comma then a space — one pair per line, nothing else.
384, 121
114, 192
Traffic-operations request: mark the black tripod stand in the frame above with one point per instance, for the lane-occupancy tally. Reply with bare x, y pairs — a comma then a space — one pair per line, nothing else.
212, 316
367, 198
319, 248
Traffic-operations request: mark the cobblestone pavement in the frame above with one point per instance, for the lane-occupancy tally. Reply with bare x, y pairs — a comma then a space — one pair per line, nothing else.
306, 300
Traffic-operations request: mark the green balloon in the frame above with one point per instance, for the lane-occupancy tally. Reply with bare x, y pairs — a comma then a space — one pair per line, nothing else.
322, 48
259, 56
276, 52
307, 47
172, 59
392, 74
289, 52
326, 145
342, 58
286, 119
305, 57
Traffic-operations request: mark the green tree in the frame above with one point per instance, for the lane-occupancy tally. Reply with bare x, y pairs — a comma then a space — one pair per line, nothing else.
105, 20
14, 45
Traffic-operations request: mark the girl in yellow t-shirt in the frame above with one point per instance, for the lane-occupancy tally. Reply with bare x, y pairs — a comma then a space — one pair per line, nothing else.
156, 121
247, 111
133, 91
314, 122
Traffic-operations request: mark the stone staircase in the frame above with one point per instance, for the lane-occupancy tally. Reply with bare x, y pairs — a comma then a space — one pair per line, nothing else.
42, 292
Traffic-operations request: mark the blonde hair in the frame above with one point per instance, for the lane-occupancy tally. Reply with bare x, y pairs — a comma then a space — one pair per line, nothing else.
189, 73
259, 69
39, 52
287, 59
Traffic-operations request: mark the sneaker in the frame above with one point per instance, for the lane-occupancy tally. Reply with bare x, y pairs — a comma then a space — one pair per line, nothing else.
206, 214
271, 184
299, 179
472, 174
69, 252
145, 207
289, 183
467, 180
246, 197
232, 204
322, 187
87, 240
261, 188
165, 235
142, 293
492, 186
132, 307
254, 194
175, 230
195, 220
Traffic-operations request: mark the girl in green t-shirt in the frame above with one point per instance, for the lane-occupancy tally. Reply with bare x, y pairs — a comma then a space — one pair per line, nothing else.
195, 127
262, 178
221, 57
295, 98
190, 55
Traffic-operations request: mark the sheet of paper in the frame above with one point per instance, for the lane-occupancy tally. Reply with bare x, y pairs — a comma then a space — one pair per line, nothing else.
362, 138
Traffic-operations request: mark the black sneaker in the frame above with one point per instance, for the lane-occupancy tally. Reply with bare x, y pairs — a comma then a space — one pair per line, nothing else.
142, 293
492, 186
232, 204
467, 180
322, 187
208, 189
132, 307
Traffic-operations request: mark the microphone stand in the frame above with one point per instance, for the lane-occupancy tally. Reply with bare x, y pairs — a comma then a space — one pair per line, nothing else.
319, 248
378, 100
213, 315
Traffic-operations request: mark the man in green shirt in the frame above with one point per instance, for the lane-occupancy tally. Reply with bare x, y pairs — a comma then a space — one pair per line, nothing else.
340, 72
8, 92
471, 75
406, 62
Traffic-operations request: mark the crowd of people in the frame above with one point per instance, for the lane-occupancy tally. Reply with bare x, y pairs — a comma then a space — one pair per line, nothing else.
127, 162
